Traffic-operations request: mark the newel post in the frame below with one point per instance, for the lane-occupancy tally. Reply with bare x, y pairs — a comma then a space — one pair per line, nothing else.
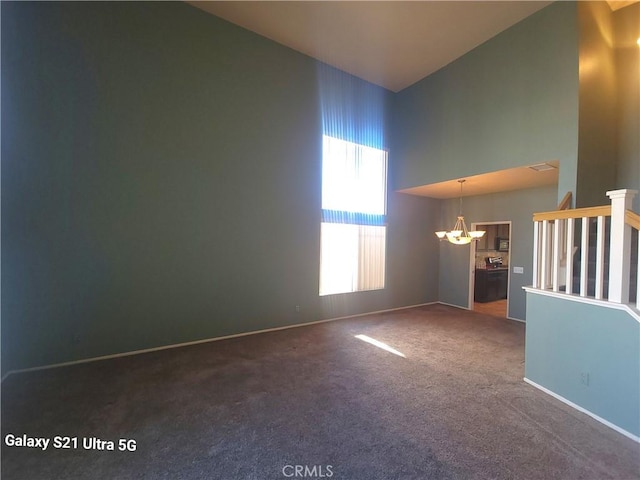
620, 248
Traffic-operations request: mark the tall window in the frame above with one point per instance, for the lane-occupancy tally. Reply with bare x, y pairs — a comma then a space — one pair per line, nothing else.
353, 232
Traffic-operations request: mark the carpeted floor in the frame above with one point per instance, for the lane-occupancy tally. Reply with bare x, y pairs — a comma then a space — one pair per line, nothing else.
315, 402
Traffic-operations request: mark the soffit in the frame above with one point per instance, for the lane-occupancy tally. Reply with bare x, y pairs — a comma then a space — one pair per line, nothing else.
500, 181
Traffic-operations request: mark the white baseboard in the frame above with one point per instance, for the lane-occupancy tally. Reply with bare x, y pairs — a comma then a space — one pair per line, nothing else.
613, 426
470, 310
454, 306
206, 340
517, 320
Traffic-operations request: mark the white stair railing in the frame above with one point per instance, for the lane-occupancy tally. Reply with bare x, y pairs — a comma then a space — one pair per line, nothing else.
554, 256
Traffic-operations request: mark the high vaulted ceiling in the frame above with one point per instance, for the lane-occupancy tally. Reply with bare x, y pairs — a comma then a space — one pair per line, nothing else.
394, 44
389, 43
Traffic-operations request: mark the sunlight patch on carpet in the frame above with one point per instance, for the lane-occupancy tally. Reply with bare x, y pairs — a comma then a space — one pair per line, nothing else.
380, 344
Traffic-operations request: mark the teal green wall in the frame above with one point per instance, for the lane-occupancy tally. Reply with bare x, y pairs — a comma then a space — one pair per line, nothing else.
161, 182
609, 102
512, 101
627, 27
161, 171
565, 339
597, 156
516, 206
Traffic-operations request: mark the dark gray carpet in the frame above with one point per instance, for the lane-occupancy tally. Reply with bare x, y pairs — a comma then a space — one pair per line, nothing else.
256, 407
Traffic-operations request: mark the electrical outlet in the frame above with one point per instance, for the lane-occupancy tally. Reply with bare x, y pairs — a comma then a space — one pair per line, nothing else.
584, 378
518, 269
297, 308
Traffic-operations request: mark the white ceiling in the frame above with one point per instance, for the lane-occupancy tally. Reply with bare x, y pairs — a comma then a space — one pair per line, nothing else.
389, 43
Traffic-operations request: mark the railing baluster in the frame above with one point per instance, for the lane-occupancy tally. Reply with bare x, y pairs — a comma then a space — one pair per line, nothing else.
584, 256
569, 262
536, 253
638, 276
600, 258
548, 279
543, 254
555, 268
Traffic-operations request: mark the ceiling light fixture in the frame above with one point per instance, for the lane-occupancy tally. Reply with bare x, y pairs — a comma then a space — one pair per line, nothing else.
459, 235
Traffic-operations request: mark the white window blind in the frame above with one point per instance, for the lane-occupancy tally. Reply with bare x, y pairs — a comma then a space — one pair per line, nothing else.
353, 231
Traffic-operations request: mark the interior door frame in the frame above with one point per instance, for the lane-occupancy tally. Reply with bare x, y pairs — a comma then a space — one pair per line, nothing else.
472, 263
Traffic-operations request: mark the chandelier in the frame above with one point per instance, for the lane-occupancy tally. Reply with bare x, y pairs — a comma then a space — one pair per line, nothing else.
459, 235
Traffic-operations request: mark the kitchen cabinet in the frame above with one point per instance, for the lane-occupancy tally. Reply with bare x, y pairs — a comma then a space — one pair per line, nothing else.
488, 241
490, 284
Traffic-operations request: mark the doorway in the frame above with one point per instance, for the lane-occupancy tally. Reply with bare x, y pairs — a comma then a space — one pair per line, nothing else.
489, 274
